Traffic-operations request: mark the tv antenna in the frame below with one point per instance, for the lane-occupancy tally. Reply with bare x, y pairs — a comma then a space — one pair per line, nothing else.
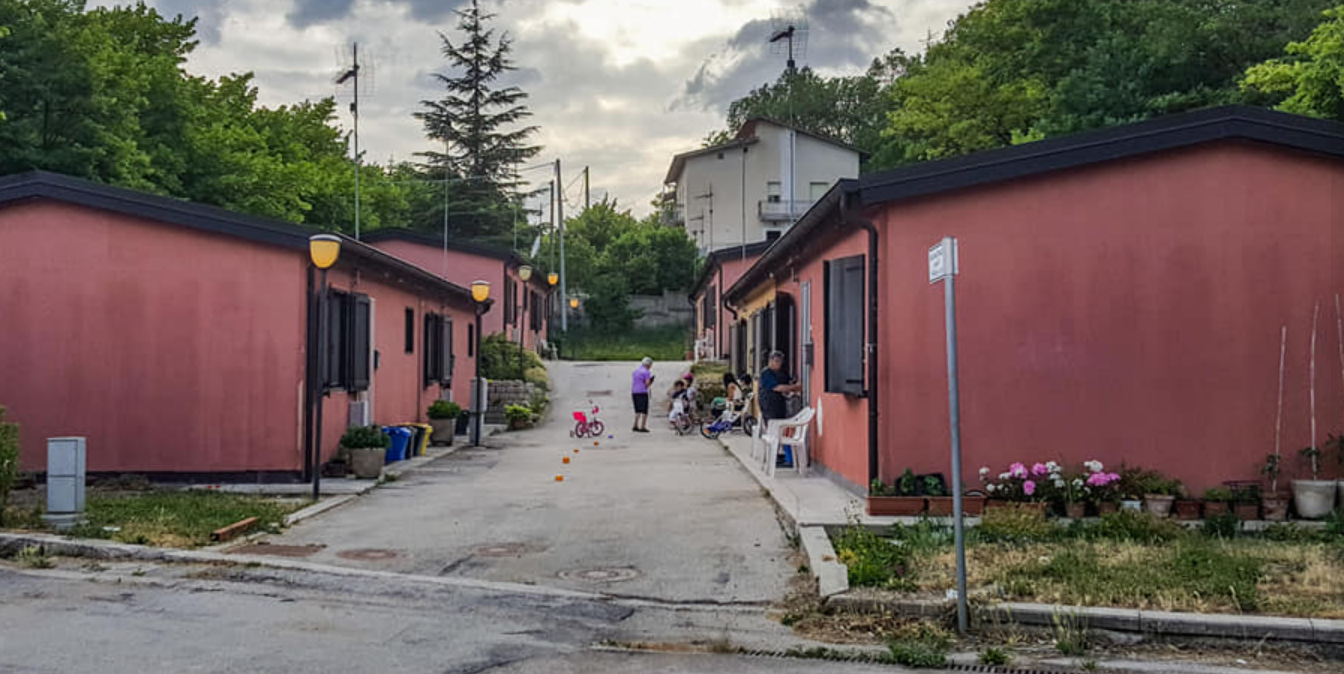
788, 35
352, 77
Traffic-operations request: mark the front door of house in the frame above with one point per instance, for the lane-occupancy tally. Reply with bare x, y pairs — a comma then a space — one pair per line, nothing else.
805, 337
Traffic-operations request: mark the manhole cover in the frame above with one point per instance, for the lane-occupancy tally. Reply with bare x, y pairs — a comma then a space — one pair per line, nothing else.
600, 575
367, 554
597, 394
276, 550
503, 550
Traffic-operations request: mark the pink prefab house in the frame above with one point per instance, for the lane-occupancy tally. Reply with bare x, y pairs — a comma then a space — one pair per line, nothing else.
521, 308
178, 337
715, 321
1121, 297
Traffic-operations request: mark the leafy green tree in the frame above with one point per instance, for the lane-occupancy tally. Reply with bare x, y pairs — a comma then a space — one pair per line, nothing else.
477, 122
1309, 79
608, 305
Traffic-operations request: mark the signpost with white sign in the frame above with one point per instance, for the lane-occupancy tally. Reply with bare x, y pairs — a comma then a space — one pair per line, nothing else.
943, 266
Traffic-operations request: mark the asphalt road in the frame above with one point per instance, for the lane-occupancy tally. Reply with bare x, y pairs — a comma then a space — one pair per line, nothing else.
640, 515
134, 618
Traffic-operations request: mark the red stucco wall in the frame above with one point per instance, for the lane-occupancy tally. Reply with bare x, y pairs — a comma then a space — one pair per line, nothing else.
149, 340
1129, 311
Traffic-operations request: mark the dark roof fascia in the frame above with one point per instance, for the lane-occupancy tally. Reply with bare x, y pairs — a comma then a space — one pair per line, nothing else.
67, 189
716, 258
799, 234
678, 161
412, 236
1121, 142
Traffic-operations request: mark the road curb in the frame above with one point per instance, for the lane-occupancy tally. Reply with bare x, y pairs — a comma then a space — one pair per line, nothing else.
1151, 623
318, 508
832, 576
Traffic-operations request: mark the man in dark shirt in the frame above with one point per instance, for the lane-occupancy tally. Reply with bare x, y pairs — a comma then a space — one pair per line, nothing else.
773, 384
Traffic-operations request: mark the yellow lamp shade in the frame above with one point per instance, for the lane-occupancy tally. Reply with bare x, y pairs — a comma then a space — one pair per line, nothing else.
480, 290
552, 278
573, 303
525, 273
324, 249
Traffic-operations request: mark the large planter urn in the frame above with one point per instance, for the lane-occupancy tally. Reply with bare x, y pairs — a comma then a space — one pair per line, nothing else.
1314, 499
444, 430
367, 463
1158, 504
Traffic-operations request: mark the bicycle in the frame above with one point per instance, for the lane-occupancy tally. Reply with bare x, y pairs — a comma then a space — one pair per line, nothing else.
585, 427
731, 417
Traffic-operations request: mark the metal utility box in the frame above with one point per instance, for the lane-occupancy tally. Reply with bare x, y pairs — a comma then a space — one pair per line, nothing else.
66, 462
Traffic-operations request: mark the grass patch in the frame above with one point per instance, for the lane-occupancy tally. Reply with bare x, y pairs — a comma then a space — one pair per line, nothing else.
180, 519
1130, 560
669, 343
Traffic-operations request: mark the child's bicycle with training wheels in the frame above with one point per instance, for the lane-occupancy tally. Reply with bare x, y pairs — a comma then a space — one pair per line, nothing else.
728, 417
585, 427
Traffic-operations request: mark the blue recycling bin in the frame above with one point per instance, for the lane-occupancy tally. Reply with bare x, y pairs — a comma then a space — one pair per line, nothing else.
401, 438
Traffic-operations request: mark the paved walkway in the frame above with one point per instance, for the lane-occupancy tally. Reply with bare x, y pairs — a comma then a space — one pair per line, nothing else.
655, 515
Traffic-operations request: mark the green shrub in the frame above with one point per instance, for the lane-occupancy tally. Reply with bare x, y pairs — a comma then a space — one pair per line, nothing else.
517, 414
443, 409
873, 561
503, 360
919, 654
365, 437
589, 343
1015, 525
9, 460
1225, 525
995, 657
539, 403
1334, 523
1129, 525
1289, 532
537, 377
706, 390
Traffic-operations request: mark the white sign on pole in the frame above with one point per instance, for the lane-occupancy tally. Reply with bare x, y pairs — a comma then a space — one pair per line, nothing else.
943, 260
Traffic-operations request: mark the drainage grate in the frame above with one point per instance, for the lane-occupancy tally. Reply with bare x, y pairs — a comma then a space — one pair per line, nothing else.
276, 550
506, 550
873, 658
597, 394
600, 575
367, 554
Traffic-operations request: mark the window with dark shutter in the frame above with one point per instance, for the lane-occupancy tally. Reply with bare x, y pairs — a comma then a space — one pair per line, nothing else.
711, 318
410, 330
361, 348
446, 350
431, 353
338, 324
844, 325
535, 316
508, 300
471, 341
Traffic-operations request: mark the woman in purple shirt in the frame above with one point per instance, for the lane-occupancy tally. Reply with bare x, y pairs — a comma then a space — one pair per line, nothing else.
639, 391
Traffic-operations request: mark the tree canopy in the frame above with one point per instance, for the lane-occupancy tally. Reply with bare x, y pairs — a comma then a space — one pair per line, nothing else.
1309, 78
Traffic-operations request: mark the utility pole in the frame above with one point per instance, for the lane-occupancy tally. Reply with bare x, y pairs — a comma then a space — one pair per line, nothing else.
560, 213
352, 75
585, 189
445, 209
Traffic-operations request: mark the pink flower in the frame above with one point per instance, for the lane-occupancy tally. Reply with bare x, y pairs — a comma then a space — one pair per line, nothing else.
1028, 487
1017, 470
1096, 480
1039, 469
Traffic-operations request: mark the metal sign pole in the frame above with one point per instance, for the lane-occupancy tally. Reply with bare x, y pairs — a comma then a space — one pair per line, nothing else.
943, 266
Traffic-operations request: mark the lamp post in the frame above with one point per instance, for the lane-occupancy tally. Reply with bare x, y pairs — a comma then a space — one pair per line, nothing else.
573, 303
323, 250
480, 292
551, 279
524, 274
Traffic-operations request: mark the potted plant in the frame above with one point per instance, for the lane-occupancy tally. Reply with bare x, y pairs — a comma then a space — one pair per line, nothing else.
1160, 493
1018, 487
1313, 498
1074, 495
443, 418
1274, 503
1103, 488
899, 499
1185, 507
939, 502
1217, 501
518, 416
1246, 501
366, 447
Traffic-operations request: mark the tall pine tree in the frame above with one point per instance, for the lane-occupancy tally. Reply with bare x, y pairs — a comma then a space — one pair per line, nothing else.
477, 122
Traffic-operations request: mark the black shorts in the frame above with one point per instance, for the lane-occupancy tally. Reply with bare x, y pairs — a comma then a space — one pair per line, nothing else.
641, 402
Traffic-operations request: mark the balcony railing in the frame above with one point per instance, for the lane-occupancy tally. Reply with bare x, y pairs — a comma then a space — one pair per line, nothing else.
782, 210
674, 215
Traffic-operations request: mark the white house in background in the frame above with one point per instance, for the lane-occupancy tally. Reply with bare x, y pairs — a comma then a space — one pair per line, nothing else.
741, 191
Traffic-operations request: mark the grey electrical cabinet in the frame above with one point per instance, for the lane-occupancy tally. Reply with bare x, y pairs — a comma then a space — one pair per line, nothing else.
66, 462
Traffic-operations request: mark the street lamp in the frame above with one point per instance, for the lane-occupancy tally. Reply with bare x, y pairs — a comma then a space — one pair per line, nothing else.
323, 250
525, 274
573, 303
551, 279
480, 292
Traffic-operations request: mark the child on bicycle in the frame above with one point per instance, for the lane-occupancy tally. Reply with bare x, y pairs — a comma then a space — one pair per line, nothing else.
681, 399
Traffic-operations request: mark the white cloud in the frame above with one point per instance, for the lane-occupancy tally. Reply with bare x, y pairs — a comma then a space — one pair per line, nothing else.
619, 85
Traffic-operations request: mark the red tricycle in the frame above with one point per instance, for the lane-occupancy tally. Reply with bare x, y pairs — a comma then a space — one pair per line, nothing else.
585, 427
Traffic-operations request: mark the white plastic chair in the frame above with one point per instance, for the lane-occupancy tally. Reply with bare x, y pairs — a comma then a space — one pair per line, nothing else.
791, 433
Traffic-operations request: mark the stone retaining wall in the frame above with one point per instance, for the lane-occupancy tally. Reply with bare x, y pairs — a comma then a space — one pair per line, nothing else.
504, 393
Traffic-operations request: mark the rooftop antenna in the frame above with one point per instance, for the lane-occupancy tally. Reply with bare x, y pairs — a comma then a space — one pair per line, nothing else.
788, 37
349, 74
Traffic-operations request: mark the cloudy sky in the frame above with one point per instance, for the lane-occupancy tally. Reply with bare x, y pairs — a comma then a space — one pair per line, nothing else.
618, 85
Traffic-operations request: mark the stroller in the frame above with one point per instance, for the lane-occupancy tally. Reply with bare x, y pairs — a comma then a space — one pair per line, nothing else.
727, 416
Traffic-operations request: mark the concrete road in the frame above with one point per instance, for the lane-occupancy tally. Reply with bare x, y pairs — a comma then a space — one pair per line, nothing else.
639, 515
139, 619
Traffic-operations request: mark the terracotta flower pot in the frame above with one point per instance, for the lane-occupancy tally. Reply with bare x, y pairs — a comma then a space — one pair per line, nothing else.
1186, 509
942, 506
1158, 504
1075, 510
1107, 507
1275, 507
1215, 508
898, 506
972, 506
1246, 511
1035, 506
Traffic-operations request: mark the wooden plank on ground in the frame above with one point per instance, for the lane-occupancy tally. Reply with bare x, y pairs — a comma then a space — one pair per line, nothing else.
233, 530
